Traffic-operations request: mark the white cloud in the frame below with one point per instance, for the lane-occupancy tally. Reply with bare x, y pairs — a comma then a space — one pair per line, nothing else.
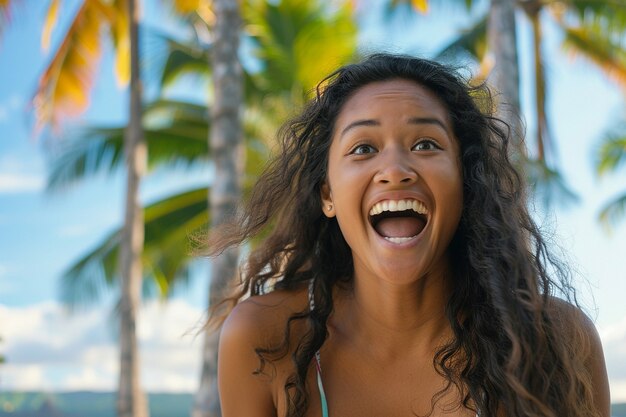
46, 348
20, 183
22, 378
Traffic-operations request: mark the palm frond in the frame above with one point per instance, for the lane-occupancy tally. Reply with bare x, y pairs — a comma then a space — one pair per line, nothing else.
420, 6
176, 134
332, 39
171, 59
287, 34
548, 185
608, 14
64, 86
599, 48
170, 225
87, 279
613, 212
167, 256
472, 43
184, 58
612, 150
185, 7
120, 36
51, 20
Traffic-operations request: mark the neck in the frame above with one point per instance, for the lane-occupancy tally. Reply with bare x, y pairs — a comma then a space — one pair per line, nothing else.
399, 318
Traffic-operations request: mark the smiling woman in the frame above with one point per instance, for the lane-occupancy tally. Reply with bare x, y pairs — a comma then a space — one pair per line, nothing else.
401, 273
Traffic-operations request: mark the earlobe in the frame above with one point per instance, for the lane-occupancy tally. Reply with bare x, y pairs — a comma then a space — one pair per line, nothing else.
328, 208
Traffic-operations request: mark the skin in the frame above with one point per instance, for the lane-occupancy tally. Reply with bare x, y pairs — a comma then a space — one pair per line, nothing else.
392, 140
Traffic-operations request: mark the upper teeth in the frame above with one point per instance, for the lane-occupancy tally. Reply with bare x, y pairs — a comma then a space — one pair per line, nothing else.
398, 205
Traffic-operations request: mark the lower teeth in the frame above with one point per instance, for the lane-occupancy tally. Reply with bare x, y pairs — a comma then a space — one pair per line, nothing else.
399, 239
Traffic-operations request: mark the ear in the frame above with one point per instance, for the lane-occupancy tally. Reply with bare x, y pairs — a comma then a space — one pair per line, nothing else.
328, 207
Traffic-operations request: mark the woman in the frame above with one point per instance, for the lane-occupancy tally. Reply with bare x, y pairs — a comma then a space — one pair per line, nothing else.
401, 274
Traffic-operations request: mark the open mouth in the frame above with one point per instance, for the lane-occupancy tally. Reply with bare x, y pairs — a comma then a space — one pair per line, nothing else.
398, 220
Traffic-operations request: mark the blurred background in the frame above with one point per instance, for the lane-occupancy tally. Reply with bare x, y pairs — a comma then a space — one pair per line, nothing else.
64, 105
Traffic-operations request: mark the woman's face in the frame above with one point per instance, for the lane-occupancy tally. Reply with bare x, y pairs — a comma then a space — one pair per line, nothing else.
394, 180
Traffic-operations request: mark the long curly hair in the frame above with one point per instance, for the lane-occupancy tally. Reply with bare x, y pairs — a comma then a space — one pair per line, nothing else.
510, 352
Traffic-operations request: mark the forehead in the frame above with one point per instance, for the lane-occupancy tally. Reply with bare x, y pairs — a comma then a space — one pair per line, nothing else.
404, 95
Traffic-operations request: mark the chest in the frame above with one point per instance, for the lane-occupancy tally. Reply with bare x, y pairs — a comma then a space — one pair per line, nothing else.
354, 386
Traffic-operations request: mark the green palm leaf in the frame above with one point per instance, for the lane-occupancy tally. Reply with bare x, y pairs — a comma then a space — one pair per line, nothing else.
182, 58
610, 14
472, 42
613, 212
176, 133
168, 225
548, 184
612, 150
187, 58
599, 47
289, 34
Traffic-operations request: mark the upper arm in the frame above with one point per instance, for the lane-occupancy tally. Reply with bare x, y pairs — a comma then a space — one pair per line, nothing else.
587, 349
597, 368
242, 393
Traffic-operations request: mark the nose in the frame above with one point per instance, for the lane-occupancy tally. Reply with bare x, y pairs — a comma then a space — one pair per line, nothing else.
396, 168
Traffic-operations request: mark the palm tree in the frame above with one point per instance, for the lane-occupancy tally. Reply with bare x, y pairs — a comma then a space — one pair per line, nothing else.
63, 90
131, 401
502, 43
225, 142
591, 29
498, 31
282, 31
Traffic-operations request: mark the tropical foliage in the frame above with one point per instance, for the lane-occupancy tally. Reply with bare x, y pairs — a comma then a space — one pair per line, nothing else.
66, 83
612, 157
591, 30
176, 134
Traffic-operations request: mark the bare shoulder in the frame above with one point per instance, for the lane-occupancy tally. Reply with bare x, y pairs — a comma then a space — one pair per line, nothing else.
584, 340
261, 320
574, 324
245, 387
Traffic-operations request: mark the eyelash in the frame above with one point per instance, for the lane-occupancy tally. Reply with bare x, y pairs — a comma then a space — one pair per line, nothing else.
429, 141
355, 150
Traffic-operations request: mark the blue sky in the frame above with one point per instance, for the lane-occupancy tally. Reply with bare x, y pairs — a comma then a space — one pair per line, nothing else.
41, 234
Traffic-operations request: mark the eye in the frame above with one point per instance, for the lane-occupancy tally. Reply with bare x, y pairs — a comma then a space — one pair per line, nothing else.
363, 149
426, 145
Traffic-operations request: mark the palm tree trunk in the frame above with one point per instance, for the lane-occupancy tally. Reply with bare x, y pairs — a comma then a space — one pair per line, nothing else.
225, 141
131, 401
502, 40
540, 85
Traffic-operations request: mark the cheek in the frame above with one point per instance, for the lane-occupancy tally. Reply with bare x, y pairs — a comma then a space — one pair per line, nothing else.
450, 197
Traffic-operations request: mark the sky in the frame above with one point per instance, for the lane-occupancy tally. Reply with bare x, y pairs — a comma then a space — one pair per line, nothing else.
48, 348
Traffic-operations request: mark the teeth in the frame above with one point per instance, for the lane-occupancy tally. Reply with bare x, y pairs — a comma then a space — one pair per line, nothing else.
399, 239
398, 205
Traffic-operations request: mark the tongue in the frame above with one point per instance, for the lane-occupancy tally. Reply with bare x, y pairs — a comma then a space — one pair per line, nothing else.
400, 226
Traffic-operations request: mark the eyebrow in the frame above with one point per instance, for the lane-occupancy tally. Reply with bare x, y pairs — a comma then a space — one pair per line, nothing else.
413, 121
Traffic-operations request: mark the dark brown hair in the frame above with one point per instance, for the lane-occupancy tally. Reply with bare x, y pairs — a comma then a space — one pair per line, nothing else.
516, 358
